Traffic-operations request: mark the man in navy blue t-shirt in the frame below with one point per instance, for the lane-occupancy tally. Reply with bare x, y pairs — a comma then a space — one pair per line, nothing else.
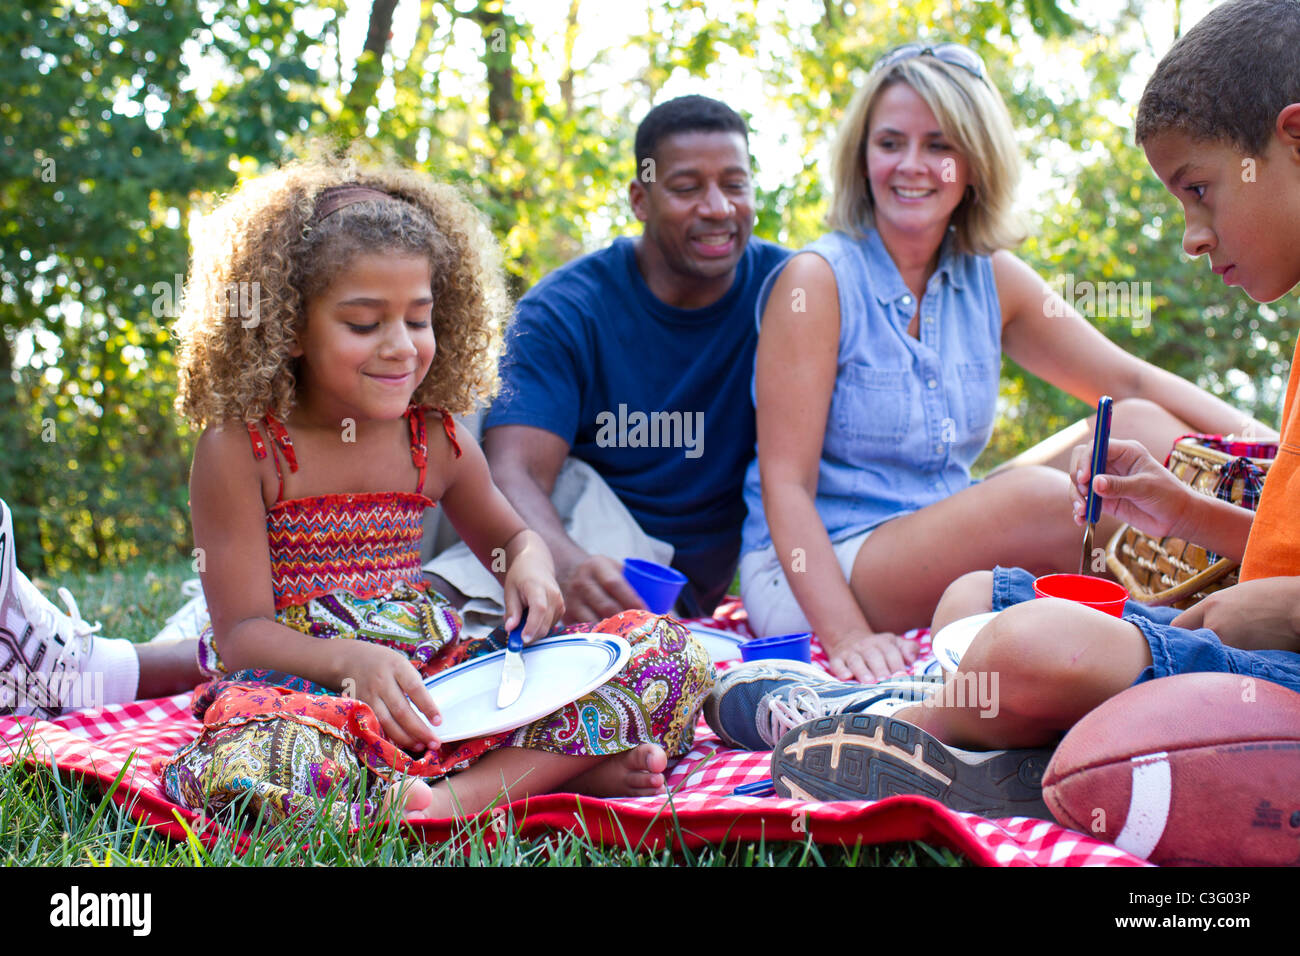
638, 360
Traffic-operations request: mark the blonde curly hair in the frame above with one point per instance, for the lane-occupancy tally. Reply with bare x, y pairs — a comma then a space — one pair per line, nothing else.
263, 255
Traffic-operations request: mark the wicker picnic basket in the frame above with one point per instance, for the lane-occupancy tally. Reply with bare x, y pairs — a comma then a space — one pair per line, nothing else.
1171, 571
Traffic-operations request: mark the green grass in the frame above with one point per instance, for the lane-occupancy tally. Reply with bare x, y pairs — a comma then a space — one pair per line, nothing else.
48, 819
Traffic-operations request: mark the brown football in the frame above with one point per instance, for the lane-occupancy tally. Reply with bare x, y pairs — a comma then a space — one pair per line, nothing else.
1193, 770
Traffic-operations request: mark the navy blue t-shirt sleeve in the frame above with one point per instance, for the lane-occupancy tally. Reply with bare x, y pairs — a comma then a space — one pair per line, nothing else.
539, 374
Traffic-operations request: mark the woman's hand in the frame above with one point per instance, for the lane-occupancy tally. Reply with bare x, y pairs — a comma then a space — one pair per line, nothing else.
384, 679
530, 585
869, 657
1135, 488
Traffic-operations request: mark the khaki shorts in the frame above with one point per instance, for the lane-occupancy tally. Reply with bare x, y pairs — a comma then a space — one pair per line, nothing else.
593, 516
770, 603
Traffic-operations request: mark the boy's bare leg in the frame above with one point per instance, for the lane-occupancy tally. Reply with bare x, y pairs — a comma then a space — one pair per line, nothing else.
167, 669
969, 594
1048, 662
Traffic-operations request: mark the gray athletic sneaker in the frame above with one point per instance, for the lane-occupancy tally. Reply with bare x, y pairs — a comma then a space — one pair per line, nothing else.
42, 649
753, 704
869, 757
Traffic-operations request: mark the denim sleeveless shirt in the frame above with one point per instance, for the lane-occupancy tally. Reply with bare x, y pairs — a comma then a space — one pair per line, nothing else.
908, 417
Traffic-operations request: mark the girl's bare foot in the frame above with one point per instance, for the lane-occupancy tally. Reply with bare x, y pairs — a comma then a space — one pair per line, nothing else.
634, 773
414, 795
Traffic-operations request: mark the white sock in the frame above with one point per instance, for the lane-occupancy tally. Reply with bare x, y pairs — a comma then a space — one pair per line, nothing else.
110, 675
886, 706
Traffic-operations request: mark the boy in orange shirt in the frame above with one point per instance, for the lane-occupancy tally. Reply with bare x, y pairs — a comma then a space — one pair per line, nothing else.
1220, 123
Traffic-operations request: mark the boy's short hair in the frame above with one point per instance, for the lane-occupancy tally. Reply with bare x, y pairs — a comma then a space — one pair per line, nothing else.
685, 114
1228, 77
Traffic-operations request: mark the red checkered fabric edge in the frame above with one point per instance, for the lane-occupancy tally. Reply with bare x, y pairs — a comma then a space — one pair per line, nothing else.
701, 809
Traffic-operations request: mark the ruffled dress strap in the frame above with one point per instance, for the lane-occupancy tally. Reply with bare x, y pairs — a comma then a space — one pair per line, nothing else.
419, 443
280, 437
449, 426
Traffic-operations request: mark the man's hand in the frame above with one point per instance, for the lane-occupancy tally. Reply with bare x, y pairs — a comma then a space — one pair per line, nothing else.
594, 588
870, 657
1259, 615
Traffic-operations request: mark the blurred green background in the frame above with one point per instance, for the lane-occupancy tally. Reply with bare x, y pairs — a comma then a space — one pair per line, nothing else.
124, 122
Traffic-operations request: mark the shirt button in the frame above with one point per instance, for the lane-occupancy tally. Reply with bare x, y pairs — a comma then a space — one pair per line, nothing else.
929, 320
931, 384
907, 300
938, 449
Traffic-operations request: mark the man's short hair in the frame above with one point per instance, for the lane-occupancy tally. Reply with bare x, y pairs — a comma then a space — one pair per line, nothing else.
1228, 77
685, 114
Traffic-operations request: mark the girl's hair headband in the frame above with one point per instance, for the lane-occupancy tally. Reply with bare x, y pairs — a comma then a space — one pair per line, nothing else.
335, 198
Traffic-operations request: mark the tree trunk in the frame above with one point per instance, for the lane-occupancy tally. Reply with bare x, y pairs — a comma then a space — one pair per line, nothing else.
370, 66
498, 48
570, 37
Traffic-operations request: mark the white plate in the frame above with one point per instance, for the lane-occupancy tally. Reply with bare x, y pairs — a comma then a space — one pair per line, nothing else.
721, 645
951, 642
558, 670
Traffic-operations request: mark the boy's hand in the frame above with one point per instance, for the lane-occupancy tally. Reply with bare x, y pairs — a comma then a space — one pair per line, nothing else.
384, 679
869, 657
530, 583
1135, 488
1259, 615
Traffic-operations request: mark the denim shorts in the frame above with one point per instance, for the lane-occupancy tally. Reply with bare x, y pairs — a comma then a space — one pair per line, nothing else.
1174, 650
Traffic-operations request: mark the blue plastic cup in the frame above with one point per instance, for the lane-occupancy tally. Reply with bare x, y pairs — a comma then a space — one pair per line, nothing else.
790, 647
657, 585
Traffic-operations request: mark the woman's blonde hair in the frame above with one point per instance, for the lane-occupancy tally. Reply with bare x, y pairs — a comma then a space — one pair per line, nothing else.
263, 254
970, 113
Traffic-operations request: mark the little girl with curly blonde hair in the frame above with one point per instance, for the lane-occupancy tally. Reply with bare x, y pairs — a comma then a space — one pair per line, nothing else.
337, 314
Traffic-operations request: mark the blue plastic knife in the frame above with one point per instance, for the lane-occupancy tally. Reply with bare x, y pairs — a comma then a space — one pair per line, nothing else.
1100, 452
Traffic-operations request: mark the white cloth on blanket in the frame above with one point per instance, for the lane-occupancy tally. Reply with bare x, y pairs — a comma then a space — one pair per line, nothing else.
593, 516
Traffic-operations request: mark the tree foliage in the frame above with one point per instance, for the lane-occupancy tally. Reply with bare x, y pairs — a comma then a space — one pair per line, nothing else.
122, 120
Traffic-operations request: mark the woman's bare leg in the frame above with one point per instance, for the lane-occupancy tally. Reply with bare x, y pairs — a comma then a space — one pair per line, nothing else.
1020, 518
1134, 419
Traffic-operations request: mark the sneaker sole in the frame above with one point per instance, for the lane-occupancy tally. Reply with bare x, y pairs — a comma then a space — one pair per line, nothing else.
863, 756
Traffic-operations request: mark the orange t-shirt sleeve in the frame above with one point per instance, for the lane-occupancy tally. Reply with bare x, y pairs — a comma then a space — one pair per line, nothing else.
1273, 548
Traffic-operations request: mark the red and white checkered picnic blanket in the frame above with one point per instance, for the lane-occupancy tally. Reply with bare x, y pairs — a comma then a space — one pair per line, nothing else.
700, 810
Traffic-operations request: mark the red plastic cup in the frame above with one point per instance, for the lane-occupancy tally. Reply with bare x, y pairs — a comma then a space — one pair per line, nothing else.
1083, 589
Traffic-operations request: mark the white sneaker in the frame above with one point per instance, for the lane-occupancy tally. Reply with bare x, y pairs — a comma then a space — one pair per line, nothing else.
42, 649
187, 623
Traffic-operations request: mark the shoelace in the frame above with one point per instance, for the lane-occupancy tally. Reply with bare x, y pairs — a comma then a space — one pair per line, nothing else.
799, 705
802, 703
46, 616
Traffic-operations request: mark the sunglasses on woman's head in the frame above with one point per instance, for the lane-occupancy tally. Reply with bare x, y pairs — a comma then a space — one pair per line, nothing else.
953, 54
